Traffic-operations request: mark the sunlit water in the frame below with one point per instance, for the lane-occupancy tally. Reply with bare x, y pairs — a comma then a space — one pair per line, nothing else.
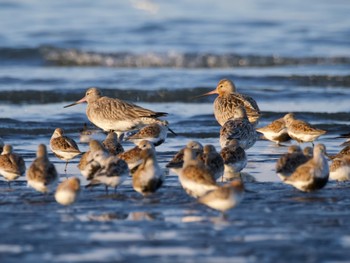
290, 57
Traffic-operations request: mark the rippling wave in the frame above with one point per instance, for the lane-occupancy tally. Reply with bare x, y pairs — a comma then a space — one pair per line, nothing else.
75, 57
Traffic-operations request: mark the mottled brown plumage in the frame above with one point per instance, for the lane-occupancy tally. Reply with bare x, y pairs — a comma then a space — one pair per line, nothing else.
42, 174
229, 99
301, 131
112, 114
339, 169
112, 144
235, 158
213, 160
12, 165
275, 131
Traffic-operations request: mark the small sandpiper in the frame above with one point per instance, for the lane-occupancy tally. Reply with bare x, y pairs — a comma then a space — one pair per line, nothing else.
301, 131
339, 169
112, 144
275, 131
42, 174
148, 177
63, 147
290, 161
155, 133
239, 128
235, 159
195, 178
176, 163
68, 191
213, 160
224, 197
313, 174
12, 165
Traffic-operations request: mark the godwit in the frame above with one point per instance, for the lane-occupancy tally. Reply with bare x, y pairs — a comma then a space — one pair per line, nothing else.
42, 174
63, 147
87, 165
239, 128
112, 172
290, 161
115, 115
195, 178
313, 174
148, 177
229, 99
176, 163
235, 159
155, 133
224, 197
112, 144
12, 165
68, 191
339, 169
213, 160
275, 131
301, 131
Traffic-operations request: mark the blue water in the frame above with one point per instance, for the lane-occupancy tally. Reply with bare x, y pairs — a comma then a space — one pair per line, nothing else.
290, 56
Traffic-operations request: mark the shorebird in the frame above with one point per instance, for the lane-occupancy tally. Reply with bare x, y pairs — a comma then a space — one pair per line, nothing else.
238, 128
235, 159
68, 191
308, 152
112, 144
343, 152
42, 174
112, 172
87, 165
290, 161
339, 169
313, 174
148, 177
111, 114
176, 163
133, 156
213, 161
195, 178
155, 133
63, 147
224, 197
229, 99
301, 131
275, 131
12, 165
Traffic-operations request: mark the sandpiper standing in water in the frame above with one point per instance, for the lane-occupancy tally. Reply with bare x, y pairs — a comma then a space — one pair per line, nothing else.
42, 174
63, 147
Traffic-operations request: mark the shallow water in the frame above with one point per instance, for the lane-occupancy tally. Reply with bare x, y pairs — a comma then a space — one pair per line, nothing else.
290, 57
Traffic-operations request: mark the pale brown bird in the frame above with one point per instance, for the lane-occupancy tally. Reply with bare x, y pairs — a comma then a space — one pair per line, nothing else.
42, 174
239, 128
313, 174
111, 114
12, 165
64, 147
339, 169
148, 177
301, 131
290, 161
112, 144
176, 163
229, 99
68, 191
195, 178
235, 159
224, 197
275, 131
213, 160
